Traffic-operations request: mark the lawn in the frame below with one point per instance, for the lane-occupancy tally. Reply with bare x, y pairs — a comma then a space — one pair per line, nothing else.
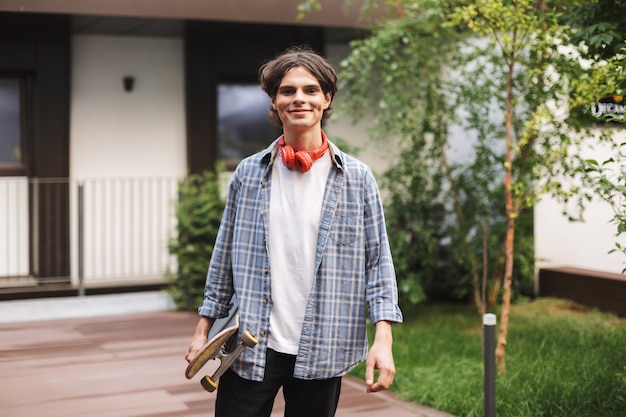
561, 360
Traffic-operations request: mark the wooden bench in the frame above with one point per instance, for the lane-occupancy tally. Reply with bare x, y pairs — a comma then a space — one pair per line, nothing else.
602, 290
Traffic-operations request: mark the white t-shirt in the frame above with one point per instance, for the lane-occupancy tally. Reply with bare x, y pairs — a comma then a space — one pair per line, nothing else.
294, 222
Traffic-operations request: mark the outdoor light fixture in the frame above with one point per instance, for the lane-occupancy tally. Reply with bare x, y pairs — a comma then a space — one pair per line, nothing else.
129, 83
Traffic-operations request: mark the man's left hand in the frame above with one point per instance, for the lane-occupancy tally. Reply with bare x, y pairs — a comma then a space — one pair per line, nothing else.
380, 358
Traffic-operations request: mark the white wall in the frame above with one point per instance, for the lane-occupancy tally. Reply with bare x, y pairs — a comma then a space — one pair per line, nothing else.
559, 242
118, 134
128, 149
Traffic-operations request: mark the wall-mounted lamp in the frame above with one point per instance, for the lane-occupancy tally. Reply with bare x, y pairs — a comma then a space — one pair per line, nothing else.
129, 83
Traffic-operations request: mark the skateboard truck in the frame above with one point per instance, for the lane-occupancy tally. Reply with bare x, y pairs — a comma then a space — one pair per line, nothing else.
209, 383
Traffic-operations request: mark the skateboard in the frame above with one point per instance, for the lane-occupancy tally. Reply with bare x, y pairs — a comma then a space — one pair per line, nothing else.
222, 346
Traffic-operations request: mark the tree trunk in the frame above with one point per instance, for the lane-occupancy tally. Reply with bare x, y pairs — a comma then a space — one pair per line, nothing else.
511, 215
506, 297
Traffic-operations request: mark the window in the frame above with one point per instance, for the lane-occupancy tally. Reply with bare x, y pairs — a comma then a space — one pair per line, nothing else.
243, 127
12, 135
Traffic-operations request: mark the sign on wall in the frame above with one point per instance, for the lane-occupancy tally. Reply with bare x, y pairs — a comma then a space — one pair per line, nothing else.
609, 108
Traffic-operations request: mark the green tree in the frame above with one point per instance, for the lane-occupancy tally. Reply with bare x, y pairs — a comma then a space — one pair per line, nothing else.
522, 37
599, 26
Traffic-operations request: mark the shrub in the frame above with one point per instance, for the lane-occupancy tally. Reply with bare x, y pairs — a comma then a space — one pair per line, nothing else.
198, 213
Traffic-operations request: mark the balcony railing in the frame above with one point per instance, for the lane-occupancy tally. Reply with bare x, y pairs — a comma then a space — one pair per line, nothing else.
86, 232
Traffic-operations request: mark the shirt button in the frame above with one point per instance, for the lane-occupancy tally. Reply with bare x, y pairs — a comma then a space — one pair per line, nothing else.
262, 333
266, 301
266, 271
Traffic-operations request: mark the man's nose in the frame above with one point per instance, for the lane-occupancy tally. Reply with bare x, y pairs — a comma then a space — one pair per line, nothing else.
299, 96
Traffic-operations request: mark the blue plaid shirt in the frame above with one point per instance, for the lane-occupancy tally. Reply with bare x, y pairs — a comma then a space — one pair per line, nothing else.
353, 270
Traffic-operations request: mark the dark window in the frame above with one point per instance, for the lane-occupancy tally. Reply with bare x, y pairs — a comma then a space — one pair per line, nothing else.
12, 135
243, 127
10, 129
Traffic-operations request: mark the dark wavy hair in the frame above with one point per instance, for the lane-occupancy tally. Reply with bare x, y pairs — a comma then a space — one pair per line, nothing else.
272, 72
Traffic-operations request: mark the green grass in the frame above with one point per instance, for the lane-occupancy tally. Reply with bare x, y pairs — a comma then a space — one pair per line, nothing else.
561, 360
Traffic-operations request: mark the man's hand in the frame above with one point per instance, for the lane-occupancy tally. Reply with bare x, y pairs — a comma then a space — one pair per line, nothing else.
380, 358
200, 337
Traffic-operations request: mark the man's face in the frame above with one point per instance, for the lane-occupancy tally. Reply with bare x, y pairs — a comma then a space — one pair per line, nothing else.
300, 101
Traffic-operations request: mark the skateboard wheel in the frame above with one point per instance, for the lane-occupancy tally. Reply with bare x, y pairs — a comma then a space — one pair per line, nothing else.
248, 339
208, 384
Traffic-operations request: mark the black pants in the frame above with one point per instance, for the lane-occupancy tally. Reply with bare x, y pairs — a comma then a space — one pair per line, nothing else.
239, 397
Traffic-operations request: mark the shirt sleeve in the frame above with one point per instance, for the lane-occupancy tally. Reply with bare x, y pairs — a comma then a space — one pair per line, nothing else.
218, 289
382, 288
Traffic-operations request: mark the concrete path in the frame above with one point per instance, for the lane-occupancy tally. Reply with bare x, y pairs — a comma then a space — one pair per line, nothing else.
122, 356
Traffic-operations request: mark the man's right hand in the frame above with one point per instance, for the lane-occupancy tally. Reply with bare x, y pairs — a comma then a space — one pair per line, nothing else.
200, 337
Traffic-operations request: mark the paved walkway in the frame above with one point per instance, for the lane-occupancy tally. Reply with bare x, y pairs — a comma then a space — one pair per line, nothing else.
122, 356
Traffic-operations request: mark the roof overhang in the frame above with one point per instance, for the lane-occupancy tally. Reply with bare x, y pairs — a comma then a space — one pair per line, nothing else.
334, 13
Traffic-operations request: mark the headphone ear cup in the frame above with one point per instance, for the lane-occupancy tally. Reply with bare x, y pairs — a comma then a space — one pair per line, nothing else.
304, 162
287, 155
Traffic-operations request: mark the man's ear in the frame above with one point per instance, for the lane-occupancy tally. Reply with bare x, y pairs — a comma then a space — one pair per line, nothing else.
329, 99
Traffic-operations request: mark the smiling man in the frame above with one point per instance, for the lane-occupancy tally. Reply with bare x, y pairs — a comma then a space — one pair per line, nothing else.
303, 246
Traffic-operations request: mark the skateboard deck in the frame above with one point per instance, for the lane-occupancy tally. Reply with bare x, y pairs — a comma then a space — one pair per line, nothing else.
222, 346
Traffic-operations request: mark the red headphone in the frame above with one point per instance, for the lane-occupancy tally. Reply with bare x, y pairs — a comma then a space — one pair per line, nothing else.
303, 160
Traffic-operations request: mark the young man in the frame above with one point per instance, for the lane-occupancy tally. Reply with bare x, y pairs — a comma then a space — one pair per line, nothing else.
303, 245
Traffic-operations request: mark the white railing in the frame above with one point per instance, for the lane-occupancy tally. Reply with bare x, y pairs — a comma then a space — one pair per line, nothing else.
14, 241
119, 228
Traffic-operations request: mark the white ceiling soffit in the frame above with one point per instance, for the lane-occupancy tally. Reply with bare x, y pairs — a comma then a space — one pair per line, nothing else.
333, 13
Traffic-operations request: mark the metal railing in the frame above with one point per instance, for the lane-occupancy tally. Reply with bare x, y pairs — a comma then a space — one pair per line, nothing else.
14, 225
86, 232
